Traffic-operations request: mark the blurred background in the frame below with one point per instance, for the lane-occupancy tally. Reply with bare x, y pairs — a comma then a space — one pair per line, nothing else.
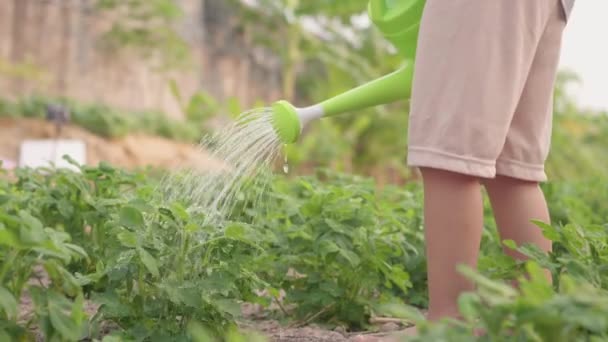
139, 82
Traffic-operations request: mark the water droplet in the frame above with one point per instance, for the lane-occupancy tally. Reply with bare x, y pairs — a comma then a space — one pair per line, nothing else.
286, 165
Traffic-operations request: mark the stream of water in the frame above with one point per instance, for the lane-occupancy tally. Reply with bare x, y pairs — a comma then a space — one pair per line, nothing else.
247, 148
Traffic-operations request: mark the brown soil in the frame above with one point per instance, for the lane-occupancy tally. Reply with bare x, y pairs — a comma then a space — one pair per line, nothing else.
130, 152
255, 320
275, 332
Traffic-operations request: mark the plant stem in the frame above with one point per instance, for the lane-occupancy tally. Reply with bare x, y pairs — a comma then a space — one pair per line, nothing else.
309, 319
276, 300
8, 264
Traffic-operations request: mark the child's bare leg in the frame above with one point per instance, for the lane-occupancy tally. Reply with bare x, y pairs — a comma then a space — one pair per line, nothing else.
453, 216
515, 203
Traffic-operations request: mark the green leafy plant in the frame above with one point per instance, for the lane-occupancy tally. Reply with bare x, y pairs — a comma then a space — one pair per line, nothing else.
151, 266
31, 252
338, 248
578, 311
106, 121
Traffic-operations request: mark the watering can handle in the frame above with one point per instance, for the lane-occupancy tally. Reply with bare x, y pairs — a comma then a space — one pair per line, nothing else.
377, 8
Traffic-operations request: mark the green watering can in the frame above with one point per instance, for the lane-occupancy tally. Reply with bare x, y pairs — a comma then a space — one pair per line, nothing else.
398, 21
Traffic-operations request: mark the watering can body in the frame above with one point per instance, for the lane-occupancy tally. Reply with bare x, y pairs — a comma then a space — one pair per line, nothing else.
399, 22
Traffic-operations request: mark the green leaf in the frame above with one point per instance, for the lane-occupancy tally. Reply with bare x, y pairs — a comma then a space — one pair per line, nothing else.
234, 335
313, 207
274, 292
229, 306
8, 303
111, 305
70, 285
127, 239
10, 220
71, 161
131, 217
399, 310
510, 244
191, 227
77, 250
106, 167
65, 208
352, 258
400, 278
78, 314
166, 212
327, 247
149, 261
141, 205
595, 256
50, 250
33, 230
534, 252
200, 333
180, 212
59, 307
8, 238
235, 231
548, 231
467, 302
234, 106
497, 288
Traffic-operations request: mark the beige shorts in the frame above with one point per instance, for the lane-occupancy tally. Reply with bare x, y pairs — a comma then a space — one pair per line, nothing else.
482, 98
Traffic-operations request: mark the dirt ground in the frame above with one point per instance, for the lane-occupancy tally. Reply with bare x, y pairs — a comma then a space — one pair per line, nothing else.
129, 152
275, 332
271, 329
255, 319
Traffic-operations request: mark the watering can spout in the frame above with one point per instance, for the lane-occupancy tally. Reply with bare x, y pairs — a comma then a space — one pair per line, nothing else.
288, 120
398, 21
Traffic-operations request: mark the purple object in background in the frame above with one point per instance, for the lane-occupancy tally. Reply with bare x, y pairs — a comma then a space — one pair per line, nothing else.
7, 164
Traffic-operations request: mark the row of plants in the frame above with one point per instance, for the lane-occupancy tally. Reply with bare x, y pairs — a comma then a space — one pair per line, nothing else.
109, 122
362, 251
340, 250
148, 265
106, 121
